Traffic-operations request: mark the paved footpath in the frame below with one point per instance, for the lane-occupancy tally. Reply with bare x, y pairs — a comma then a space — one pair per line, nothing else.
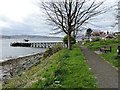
106, 75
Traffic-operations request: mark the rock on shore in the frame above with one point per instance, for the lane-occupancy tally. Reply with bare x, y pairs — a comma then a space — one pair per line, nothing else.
16, 67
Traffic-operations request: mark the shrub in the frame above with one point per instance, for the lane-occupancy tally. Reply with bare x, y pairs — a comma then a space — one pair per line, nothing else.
48, 52
97, 39
93, 39
51, 51
65, 40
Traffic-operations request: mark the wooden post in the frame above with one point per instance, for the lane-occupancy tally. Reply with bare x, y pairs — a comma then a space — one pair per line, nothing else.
110, 49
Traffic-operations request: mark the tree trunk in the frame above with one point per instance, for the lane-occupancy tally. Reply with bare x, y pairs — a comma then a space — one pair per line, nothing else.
69, 41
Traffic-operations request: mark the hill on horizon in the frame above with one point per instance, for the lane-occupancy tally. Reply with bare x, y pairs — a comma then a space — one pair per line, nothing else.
25, 36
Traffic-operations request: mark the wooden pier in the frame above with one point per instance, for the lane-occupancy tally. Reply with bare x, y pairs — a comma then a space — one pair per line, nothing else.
38, 44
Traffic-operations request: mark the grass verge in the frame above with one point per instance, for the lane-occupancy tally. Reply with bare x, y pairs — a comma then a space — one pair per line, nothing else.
65, 69
101, 43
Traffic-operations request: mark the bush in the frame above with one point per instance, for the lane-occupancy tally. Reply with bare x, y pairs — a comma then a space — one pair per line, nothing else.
51, 51
97, 39
93, 39
65, 40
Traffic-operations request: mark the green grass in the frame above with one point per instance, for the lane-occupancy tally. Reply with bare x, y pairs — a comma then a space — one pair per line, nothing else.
112, 57
101, 43
65, 69
69, 70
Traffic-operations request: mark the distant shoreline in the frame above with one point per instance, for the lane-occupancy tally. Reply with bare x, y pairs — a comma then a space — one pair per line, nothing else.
26, 36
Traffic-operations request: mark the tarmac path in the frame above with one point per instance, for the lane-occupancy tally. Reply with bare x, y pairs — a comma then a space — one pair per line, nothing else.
106, 75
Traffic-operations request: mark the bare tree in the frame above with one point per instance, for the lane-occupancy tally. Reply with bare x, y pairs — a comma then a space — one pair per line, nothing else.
69, 15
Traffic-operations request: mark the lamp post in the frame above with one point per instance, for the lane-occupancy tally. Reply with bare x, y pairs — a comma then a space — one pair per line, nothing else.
118, 50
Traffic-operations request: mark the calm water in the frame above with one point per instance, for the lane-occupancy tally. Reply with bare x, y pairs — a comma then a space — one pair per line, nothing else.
14, 52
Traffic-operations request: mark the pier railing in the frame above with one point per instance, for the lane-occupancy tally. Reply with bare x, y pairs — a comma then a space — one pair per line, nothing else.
38, 44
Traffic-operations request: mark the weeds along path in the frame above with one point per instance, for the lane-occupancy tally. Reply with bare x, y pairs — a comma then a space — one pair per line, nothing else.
106, 75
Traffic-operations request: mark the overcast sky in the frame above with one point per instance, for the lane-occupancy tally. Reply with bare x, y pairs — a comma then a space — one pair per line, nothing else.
24, 17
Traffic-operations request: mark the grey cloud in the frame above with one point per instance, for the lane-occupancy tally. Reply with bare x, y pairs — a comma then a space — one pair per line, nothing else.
35, 24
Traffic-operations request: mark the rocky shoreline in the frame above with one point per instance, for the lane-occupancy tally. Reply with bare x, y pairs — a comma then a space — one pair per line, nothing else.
16, 67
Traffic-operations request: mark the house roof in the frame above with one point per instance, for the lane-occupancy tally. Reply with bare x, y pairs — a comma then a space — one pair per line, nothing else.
109, 35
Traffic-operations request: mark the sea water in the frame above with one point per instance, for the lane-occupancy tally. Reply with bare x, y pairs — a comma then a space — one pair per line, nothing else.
9, 52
